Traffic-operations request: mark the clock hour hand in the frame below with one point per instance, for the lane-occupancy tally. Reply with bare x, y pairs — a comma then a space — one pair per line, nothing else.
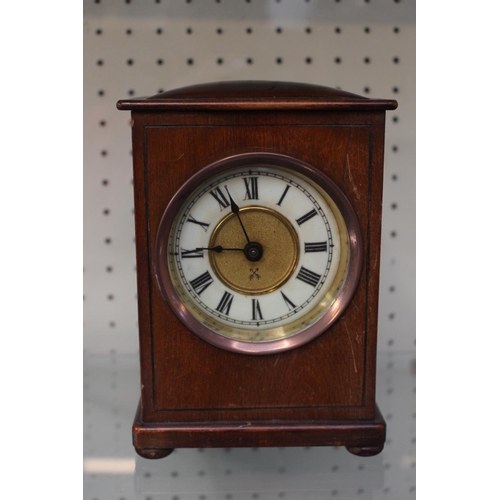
219, 249
235, 209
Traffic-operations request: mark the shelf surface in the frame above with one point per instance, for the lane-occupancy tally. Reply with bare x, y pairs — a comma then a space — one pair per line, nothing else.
112, 470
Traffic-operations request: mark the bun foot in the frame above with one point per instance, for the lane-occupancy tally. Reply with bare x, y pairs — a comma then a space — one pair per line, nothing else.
365, 451
153, 454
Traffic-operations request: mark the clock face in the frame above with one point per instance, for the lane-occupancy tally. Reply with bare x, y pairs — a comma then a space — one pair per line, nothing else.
258, 253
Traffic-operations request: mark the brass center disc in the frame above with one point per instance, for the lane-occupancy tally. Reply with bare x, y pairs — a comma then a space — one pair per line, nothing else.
280, 245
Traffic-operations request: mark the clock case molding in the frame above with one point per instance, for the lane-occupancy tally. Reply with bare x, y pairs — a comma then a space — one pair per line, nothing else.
194, 394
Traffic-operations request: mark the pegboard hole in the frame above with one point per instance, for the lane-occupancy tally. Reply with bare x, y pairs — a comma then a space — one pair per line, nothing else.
338, 60
159, 31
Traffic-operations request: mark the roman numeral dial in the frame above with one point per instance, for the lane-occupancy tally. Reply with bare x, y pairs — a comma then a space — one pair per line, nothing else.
254, 252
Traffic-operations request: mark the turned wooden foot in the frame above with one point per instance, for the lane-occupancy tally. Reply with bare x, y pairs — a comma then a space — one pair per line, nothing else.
153, 454
365, 451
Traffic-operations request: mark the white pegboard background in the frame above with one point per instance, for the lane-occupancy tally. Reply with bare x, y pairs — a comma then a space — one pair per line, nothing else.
141, 47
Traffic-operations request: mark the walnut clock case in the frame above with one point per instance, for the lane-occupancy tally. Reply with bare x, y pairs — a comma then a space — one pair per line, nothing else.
258, 218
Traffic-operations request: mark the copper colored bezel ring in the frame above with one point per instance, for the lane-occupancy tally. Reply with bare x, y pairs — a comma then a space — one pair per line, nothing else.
271, 346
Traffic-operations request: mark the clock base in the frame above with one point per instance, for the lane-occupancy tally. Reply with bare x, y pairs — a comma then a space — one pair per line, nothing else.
154, 440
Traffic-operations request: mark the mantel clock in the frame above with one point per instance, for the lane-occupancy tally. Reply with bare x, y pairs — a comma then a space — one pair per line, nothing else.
258, 217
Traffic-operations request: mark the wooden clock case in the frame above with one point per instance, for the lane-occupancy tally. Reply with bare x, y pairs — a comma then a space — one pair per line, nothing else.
196, 395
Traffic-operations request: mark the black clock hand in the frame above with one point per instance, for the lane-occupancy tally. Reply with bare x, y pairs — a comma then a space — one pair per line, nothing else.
235, 209
219, 249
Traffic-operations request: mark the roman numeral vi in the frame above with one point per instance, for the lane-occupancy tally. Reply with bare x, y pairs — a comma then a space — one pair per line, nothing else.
256, 312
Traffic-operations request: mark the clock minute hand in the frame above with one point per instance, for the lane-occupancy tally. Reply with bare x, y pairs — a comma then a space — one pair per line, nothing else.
235, 209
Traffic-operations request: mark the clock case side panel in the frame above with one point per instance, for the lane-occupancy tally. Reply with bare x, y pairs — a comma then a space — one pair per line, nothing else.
144, 271
144, 264
373, 246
